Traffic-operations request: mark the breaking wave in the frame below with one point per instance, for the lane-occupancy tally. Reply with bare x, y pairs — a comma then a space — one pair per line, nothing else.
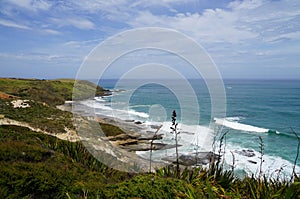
239, 126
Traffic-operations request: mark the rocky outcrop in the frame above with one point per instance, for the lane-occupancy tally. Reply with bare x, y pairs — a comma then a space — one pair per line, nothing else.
125, 142
253, 162
146, 146
246, 152
138, 142
201, 158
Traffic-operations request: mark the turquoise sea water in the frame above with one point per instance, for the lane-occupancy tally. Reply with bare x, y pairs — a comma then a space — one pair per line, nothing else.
252, 108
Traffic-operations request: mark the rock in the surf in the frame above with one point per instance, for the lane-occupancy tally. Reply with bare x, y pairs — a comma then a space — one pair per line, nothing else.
246, 152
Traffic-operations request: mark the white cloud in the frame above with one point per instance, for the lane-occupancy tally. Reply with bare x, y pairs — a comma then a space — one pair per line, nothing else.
242, 32
40, 57
79, 44
12, 24
52, 32
79, 23
167, 4
212, 26
246, 4
96, 5
33, 5
247, 21
289, 36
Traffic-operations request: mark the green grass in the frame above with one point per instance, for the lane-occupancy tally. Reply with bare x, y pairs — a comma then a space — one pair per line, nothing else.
147, 186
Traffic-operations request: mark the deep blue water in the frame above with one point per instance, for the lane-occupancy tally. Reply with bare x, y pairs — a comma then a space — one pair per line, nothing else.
272, 104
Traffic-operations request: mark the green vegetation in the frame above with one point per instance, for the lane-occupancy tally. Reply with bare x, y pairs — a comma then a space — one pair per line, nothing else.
111, 130
146, 186
43, 95
34, 165
52, 92
38, 115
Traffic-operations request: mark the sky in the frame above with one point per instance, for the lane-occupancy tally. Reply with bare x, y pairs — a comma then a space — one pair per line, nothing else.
251, 39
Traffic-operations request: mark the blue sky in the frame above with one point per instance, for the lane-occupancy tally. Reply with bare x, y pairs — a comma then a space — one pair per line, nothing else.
246, 39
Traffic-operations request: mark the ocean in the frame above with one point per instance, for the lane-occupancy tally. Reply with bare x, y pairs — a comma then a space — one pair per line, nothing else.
269, 109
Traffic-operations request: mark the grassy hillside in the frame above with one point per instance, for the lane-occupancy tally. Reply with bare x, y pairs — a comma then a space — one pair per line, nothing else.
42, 96
52, 92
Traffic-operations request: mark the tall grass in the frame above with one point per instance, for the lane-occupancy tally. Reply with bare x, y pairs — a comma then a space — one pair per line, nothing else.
294, 175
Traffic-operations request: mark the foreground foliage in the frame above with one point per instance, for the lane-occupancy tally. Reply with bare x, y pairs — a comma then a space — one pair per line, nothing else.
34, 165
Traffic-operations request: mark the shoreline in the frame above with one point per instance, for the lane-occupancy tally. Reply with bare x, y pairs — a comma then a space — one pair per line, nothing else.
137, 139
114, 146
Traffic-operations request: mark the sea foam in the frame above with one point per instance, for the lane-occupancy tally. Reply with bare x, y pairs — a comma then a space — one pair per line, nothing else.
105, 109
239, 126
95, 104
251, 165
